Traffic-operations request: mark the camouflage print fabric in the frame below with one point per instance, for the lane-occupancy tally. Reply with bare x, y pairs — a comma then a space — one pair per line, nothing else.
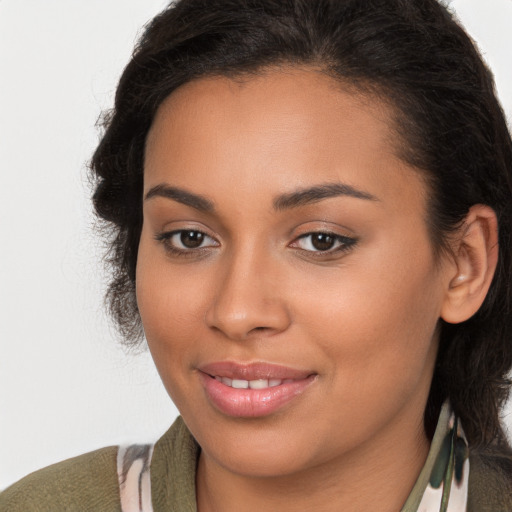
443, 482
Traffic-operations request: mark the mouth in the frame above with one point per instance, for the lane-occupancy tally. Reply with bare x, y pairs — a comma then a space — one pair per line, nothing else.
251, 384
252, 390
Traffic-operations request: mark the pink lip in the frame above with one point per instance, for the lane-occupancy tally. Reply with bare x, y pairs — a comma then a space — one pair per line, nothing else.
251, 403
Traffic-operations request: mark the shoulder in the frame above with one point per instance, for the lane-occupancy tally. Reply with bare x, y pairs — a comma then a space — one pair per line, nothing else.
173, 470
84, 483
490, 484
90, 482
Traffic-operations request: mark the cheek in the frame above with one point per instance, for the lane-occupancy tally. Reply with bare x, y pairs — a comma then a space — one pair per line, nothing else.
376, 322
171, 305
166, 304
171, 326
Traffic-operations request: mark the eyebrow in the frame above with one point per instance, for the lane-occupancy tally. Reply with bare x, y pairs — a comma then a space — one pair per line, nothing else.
317, 193
300, 197
196, 201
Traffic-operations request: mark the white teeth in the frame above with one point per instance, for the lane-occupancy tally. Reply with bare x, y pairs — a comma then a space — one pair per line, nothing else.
240, 384
258, 384
252, 384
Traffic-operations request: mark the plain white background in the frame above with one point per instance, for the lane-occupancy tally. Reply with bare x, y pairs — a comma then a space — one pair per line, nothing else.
66, 386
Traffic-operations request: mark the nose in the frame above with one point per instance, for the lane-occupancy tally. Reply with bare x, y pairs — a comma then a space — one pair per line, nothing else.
248, 300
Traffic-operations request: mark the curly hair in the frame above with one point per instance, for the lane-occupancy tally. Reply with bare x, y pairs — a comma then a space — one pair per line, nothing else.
450, 125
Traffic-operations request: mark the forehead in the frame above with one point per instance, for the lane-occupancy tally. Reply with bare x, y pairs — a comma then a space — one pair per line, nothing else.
291, 103
284, 128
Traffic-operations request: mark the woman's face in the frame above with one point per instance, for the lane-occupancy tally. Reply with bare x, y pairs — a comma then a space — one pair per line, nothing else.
285, 277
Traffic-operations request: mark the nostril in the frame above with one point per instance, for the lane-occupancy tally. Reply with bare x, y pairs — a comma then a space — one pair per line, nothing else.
241, 319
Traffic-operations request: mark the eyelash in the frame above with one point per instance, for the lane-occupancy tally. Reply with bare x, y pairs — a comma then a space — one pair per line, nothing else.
166, 240
345, 243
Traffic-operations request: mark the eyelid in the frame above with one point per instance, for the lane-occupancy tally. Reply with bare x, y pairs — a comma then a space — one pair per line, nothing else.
165, 234
343, 243
165, 238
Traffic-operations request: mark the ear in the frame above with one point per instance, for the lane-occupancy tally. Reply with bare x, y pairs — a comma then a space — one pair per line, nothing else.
475, 253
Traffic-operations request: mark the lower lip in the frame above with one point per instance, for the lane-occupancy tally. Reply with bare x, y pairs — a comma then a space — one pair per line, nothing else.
252, 403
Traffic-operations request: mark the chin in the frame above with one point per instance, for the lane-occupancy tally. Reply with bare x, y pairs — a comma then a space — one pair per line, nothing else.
256, 448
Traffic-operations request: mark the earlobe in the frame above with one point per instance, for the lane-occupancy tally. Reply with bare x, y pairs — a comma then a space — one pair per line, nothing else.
475, 255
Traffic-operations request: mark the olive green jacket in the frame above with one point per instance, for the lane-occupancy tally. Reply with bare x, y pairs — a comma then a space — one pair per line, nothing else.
89, 482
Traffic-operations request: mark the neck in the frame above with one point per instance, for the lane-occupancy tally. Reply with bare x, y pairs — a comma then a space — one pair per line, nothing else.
377, 476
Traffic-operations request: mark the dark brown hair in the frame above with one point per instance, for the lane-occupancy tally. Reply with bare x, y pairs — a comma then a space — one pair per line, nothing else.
451, 127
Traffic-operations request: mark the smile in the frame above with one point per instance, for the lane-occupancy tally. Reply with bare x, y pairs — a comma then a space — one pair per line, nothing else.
251, 384
253, 390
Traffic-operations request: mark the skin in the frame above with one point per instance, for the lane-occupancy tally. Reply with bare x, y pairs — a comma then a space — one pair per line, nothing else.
363, 320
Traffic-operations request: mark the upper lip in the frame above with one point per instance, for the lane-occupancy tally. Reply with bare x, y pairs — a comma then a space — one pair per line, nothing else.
253, 371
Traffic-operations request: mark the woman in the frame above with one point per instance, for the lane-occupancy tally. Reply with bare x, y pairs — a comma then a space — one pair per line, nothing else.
311, 206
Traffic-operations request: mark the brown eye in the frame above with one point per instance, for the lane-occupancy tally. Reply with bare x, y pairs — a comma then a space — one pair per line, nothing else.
322, 241
186, 241
191, 239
